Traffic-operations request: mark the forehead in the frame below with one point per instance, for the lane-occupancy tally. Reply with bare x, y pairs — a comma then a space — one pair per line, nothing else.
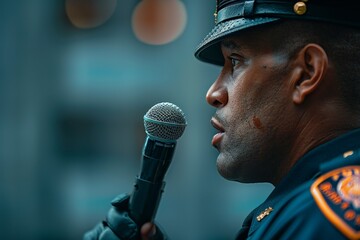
240, 43
231, 46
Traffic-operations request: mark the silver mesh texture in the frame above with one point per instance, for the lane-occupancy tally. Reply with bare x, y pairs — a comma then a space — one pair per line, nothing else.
165, 122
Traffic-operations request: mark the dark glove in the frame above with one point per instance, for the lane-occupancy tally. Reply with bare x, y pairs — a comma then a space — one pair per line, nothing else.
118, 225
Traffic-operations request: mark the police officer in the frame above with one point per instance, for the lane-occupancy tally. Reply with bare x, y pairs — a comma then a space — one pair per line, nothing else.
287, 106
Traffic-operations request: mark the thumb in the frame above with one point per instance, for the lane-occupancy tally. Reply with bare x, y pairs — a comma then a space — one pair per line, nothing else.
148, 232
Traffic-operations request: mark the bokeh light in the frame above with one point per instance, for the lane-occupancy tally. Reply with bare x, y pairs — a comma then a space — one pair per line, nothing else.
89, 13
159, 21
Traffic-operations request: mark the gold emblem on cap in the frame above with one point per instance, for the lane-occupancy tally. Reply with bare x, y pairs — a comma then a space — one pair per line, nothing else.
264, 213
300, 7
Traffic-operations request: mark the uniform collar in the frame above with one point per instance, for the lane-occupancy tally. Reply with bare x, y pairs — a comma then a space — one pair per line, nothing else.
323, 158
308, 166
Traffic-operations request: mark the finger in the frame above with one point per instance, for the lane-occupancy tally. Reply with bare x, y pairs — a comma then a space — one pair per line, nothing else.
121, 201
107, 234
149, 231
122, 225
94, 233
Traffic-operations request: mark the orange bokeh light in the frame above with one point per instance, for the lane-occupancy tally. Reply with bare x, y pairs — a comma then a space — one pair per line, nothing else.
89, 13
159, 21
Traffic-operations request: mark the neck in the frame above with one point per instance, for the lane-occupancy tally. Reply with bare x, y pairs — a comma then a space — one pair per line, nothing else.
313, 130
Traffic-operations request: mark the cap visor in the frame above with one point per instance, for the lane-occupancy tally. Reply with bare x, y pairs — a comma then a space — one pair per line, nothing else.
209, 49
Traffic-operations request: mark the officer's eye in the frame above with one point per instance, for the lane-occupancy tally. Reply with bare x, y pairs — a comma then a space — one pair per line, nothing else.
234, 62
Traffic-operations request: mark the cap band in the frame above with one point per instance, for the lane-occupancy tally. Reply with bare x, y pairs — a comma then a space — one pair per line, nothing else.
342, 13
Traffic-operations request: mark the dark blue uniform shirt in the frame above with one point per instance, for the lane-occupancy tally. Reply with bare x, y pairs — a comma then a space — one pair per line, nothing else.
318, 199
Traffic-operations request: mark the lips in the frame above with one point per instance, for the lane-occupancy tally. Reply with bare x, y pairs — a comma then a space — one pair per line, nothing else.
218, 136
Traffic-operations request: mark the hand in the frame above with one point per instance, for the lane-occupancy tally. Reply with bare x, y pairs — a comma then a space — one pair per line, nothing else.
119, 226
150, 231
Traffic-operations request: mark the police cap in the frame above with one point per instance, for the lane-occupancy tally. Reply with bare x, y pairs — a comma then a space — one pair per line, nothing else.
232, 16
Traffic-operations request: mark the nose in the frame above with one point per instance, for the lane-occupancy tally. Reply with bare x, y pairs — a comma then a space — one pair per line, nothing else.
217, 95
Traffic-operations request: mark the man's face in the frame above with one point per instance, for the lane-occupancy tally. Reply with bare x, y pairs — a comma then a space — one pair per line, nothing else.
253, 102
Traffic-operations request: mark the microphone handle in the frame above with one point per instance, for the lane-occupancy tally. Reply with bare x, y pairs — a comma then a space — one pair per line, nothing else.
145, 200
149, 185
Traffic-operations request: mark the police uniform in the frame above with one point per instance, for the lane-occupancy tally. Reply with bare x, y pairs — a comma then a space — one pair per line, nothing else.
320, 196
318, 199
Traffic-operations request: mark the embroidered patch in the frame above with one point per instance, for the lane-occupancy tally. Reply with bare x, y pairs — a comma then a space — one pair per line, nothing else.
337, 194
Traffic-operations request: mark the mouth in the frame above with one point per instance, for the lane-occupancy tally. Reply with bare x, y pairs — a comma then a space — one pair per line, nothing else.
218, 136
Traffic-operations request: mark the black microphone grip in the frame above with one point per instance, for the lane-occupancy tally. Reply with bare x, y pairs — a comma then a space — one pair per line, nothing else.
149, 184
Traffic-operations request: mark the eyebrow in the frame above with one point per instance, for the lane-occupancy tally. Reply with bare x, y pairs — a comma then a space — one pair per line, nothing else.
231, 44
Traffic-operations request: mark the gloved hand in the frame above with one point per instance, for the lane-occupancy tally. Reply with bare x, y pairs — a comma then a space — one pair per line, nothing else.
119, 226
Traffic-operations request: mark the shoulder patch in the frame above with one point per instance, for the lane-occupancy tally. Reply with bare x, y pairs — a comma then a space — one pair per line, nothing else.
337, 194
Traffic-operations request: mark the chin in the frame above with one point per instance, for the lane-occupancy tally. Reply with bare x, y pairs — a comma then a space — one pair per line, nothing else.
234, 171
226, 169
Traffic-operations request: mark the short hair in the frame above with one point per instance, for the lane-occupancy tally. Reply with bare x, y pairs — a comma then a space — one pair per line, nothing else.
340, 42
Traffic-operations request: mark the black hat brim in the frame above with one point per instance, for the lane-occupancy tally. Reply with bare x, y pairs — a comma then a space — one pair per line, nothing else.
209, 49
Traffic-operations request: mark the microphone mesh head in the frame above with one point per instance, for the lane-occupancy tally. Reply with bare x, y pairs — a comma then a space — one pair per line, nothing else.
164, 122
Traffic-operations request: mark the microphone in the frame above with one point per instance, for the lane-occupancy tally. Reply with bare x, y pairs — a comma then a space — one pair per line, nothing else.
164, 123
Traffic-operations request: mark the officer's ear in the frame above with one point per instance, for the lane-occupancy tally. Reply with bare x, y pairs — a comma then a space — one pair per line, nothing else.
311, 65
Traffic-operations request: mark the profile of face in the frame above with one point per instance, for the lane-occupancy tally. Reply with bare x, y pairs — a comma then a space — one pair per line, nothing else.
253, 105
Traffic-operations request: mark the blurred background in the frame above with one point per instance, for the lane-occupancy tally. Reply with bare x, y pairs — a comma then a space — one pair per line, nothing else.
77, 76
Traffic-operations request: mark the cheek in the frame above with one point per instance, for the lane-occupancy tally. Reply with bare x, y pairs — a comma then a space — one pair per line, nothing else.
256, 97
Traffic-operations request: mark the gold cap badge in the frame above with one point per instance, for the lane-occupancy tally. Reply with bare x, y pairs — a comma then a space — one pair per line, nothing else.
300, 7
